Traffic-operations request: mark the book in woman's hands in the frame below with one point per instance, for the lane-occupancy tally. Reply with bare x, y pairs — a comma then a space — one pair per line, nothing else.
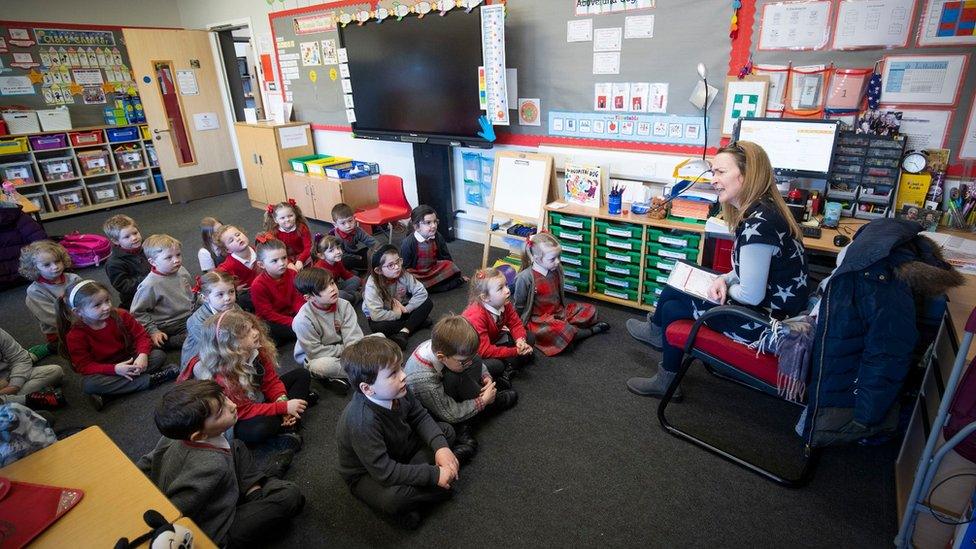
692, 280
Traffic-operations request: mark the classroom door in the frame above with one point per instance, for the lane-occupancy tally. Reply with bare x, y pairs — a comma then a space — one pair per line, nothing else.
180, 91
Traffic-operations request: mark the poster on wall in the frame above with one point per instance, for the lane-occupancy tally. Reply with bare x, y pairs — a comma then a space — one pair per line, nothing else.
16, 85
967, 149
947, 23
93, 95
743, 98
873, 24
88, 77
922, 79
311, 54
795, 25
330, 53
65, 37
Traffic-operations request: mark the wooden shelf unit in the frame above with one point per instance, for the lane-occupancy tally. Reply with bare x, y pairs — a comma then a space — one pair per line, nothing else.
42, 189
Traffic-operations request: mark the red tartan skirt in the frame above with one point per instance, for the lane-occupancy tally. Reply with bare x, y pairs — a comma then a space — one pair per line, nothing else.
429, 270
554, 325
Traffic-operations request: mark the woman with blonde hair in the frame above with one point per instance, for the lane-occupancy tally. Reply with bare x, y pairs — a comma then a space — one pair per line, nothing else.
769, 270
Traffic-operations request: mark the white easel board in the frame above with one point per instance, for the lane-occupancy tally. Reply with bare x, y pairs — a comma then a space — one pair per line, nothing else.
521, 184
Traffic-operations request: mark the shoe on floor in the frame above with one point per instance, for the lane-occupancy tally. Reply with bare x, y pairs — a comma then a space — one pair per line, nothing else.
280, 463
409, 521
600, 327
645, 332
463, 452
655, 386
503, 382
97, 402
169, 373
505, 399
46, 399
337, 385
313, 398
464, 435
289, 441
400, 338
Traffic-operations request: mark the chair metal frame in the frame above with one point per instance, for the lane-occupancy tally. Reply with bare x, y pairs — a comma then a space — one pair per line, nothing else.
690, 355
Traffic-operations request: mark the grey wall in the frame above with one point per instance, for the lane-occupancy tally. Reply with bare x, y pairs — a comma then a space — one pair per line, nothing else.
148, 13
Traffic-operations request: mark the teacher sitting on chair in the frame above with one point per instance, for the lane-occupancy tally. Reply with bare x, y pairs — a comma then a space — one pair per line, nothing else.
769, 271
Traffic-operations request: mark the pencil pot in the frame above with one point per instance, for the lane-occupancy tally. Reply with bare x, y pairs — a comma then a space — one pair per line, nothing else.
614, 204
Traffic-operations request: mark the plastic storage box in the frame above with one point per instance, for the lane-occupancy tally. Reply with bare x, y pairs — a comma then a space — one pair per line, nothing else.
298, 164
116, 135
94, 162
136, 186
54, 120
358, 169
146, 134
13, 145
22, 122
151, 154
317, 167
129, 157
84, 139
48, 142
104, 192
12, 171
57, 169
160, 184
68, 199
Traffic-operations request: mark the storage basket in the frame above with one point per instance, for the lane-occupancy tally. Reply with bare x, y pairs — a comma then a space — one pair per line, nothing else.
57, 169
54, 120
129, 158
128, 133
13, 145
48, 142
104, 192
94, 162
14, 171
68, 199
84, 139
38, 200
22, 122
136, 186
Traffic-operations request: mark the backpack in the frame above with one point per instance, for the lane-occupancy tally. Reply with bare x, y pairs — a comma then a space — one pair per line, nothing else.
86, 249
962, 412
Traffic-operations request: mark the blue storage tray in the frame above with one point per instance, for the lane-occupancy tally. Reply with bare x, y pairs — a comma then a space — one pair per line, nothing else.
358, 169
128, 133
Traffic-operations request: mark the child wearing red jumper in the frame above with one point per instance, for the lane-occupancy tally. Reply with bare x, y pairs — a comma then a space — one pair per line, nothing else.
285, 222
502, 336
236, 352
241, 261
107, 345
327, 253
273, 291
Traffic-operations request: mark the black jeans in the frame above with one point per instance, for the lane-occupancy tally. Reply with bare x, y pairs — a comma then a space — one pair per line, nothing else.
411, 322
260, 428
512, 362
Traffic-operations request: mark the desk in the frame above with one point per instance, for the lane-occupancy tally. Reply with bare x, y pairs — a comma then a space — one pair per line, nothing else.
28, 207
116, 492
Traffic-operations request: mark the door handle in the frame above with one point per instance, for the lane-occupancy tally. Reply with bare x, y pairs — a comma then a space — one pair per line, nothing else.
254, 157
260, 160
157, 132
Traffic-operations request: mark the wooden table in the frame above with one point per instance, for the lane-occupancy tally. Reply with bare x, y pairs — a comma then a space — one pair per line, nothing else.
28, 207
116, 492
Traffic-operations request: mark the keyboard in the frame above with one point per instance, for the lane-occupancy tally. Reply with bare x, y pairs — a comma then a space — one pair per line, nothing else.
811, 232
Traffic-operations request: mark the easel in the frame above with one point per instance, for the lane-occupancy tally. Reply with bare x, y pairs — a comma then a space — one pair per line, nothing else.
521, 186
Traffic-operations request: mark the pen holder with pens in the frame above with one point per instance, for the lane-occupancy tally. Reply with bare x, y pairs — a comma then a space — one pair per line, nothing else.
614, 204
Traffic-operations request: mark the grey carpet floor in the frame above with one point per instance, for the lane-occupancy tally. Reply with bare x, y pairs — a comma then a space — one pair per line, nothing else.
579, 462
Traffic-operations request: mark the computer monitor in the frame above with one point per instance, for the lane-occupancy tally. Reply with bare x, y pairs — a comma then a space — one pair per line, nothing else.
796, 147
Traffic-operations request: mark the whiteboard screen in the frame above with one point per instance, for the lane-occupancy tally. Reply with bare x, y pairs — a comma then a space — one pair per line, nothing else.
801, 147
520, 186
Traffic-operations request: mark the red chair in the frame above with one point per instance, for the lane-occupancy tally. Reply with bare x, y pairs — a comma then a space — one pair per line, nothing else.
393, 205
742, 366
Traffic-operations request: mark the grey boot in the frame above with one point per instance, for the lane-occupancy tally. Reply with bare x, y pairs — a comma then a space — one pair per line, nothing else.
654, 386
646, 332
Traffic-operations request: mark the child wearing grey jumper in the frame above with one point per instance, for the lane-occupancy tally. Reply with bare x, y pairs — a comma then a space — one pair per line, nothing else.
23, 383
219, 293
394, 302
164, 299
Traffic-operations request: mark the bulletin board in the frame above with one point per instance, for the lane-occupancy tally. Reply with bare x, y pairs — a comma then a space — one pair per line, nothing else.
22, 39
867, 57
549, 68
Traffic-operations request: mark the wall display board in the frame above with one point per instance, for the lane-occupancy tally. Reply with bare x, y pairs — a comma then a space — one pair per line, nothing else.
547, 60
46, 66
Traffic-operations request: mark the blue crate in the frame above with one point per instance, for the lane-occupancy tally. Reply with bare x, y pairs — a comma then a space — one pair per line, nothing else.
358, 169
128, 133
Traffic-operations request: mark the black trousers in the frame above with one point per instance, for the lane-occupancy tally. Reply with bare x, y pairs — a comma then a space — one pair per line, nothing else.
280, 333
455, 281
399, 499
466, 384
512, 362
411, 322
244, 300
258, 429
356, 261
263, 512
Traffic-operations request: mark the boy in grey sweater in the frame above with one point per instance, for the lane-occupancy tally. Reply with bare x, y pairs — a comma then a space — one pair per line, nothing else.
23, 383
164, 299
387, 439
213, 481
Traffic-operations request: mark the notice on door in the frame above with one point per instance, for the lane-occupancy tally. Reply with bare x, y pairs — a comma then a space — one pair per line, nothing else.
187, 81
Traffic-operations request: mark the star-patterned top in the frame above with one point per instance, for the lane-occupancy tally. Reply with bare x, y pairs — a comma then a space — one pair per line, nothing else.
787, 287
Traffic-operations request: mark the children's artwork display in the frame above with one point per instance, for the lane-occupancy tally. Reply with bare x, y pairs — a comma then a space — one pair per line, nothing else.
582, 185
311, 54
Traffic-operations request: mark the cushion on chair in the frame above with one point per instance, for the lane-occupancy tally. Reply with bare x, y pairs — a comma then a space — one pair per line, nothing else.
381, 214
764, 367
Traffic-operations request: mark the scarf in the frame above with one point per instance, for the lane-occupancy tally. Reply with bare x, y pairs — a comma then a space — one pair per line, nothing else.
791, 340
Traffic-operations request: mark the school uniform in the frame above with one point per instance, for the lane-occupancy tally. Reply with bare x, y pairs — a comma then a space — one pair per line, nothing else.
276, 301
405, 289
497, 332
42, 301
386, 454
194, 329
355, 247
429, 260
349, 284
449, 396
209, 482
94, 354
18, 370
540, 297
245, 270
322, 335
126, 269
298, 242
163, 302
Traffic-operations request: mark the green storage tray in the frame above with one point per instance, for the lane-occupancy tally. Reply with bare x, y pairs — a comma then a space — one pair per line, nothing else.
575, 248
567, 235
619, 230
575, 260
627, 244
570, 222
660, 250
654, 276
580, 288
651, 288
298, 163
663, 264
619, 293
579, 276
618, 282
673, 239
618, 255
614, 268
649, 299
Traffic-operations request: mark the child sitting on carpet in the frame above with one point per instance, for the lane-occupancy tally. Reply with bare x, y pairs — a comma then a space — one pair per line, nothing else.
285, 222
327, 253
504, 344
394, 302
425, 254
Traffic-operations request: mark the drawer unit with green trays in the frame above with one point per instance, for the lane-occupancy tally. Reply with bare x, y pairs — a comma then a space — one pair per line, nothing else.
576, 276
614, 291
575, 261
571, 236
649, 298
628, 283
582, 287
622, 256
619, 230
617, 268
576, 248
667, 252
652, 291
572, 222
654, 276
615, 243
673, 238
662, 264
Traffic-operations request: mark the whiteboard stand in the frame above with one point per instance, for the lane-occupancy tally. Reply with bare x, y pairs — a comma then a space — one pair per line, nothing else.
522, 184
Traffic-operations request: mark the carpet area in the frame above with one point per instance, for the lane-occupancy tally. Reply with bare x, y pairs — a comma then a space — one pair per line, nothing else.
578, 462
